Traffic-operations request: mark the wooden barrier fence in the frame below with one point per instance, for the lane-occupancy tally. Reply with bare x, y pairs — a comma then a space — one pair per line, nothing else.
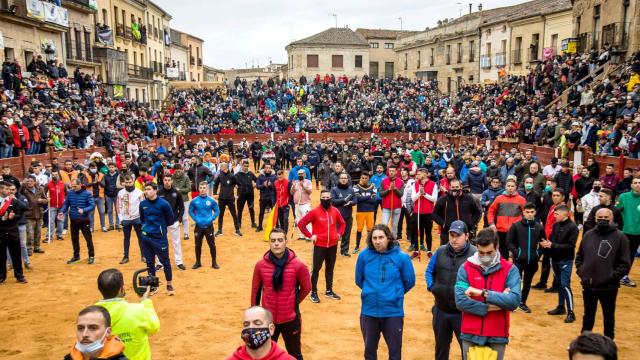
20, 165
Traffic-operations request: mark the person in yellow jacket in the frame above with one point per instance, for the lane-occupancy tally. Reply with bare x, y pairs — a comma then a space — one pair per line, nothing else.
132, 323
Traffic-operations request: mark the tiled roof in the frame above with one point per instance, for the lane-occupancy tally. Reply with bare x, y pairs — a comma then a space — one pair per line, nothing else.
383, 33
334, 36
525, 10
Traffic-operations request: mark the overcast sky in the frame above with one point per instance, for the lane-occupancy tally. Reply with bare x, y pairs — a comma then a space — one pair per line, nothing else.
241, 32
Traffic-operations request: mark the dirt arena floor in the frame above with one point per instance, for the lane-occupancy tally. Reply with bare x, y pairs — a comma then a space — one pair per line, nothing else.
203, 320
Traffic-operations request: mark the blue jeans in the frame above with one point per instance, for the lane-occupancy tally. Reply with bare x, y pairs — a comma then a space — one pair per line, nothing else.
111, 208
100, 206
386, 214
54, 223
6, 152
562, 270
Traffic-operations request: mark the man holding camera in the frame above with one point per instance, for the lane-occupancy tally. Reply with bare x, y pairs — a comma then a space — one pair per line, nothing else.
280, 282
155, 216
132, 323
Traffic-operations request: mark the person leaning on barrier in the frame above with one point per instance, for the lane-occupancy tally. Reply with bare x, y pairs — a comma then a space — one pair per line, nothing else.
132, 323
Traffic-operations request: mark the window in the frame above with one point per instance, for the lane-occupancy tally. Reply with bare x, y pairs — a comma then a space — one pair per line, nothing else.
388, 45
554, 42
105, 19
419, 56
135, 58
459, 53
448, 57
336, 61
374, 45
432, 57
472, 51
138, 94
406, 58
358, 61
115, 14
312, 61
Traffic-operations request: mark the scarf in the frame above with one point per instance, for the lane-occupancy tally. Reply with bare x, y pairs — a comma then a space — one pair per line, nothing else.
278, 271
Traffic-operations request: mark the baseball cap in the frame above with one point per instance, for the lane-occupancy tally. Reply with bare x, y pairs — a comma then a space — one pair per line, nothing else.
458, 227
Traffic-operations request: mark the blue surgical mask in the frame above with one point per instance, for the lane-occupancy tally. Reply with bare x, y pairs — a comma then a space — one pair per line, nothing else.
92, 348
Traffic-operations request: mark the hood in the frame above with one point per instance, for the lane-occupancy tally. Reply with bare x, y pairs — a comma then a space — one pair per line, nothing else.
112, 347
276, 353
394, 249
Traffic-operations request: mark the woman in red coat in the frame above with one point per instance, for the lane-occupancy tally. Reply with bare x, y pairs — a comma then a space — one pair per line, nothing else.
280, 282
20, 137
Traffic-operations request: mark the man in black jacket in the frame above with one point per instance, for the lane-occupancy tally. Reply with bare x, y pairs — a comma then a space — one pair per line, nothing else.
264, 183
441, 277
245, 180
606, 201
602, 260
174, 198
455, 205
198, 173
523, 238
564, 179
10, 212
226, 183
562, 245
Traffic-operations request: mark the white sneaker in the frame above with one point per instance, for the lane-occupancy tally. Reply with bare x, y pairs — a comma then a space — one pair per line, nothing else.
64, 232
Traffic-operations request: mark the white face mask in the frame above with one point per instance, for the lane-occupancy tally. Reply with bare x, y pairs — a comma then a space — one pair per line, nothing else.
94, 347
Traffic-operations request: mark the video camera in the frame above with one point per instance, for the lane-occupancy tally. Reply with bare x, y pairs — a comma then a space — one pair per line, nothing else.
140, 283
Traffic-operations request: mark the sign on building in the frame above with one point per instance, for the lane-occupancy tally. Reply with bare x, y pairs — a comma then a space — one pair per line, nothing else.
172, 73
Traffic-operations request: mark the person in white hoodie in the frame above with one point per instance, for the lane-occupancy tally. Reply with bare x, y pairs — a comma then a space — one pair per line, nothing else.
128, 205
407, 208
589, 201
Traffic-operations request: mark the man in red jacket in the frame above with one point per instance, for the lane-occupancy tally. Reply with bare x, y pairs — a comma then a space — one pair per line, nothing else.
328, 225
282, 281
20, 137
257, 329
281, 186
506, 210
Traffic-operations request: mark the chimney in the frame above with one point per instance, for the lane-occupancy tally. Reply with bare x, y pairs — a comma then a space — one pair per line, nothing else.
470, 8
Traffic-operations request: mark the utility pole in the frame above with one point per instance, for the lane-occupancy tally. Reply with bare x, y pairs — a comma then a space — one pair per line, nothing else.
335, 18
400, 18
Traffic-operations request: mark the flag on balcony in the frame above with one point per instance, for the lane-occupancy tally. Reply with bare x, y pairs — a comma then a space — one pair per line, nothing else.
135, 31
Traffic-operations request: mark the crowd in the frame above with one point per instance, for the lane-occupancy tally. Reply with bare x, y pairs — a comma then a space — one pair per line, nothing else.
532, 214
601, 111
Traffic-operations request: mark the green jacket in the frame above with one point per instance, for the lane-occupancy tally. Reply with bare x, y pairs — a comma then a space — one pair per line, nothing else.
183, 185
133, 323
418, 157
629, 204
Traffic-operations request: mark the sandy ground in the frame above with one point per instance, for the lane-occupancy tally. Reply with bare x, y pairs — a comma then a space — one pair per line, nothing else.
203, 320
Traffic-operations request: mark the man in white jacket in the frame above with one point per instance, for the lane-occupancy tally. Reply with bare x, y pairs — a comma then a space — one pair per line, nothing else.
589, 201
128, 205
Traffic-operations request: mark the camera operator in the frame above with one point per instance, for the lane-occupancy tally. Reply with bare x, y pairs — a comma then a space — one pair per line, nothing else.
132, 323
95, 337
156, 215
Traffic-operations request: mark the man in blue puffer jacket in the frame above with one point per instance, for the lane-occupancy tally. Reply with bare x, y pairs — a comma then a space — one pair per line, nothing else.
385, 274
204, 210
79, 203
156, 215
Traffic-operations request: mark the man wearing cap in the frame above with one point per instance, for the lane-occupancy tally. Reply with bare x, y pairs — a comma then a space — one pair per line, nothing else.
552, 169
441, 277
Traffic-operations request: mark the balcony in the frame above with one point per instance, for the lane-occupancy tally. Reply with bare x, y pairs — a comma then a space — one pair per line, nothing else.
193, 60
616, 34
585, 41
120, 30
157, 67
199, 62
516, 56
81, 5
485, 61
140, 72
501, 59
79, 51
533, 54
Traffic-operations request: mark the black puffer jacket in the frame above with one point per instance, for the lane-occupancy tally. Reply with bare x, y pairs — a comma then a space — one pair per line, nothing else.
603, 258
523, 238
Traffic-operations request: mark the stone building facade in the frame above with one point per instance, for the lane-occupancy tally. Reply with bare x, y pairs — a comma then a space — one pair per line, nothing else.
382, 55
335, 51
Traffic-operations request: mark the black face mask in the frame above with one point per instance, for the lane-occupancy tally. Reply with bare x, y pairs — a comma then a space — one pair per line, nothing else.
602, 225
597, 188
129, 188
343, 186
255, 337
300, 177
326, 203
455, 192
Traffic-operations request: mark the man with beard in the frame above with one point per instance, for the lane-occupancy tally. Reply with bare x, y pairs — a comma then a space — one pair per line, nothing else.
354, 168
343, 198
182, 183
171, 195
455, 205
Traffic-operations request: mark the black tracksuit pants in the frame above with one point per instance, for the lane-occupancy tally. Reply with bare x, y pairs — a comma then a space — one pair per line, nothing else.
607, 299
207, 233
527, 271
283, 218
224, 203
346, 237
264, 205
242, 200
391, 329
78, 226
328, 256
291, 333
445, 325
10, 240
